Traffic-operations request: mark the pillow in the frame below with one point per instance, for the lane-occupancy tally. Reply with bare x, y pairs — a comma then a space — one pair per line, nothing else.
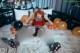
20, 13
47, 11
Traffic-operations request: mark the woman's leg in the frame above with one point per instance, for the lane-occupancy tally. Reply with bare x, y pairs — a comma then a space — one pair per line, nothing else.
36, 31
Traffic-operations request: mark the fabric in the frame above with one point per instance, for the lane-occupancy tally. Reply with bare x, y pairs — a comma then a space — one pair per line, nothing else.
46, 17
36, 45
20, 13
4, 48
5, 32
38, 23
47, 11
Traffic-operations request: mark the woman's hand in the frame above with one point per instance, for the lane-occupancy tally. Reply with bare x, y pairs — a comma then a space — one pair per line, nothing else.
46, 17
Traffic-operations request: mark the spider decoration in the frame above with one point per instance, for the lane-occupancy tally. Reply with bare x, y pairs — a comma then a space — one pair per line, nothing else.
54, 46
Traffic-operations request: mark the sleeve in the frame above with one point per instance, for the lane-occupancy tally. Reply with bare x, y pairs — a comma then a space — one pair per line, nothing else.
46, 16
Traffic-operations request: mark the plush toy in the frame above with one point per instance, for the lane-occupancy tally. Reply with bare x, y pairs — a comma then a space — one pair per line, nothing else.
38, 20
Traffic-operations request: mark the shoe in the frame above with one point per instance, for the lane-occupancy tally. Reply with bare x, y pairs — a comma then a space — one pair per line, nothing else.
35, 34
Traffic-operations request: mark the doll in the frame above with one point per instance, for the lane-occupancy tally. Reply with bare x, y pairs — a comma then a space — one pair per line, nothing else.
38, 20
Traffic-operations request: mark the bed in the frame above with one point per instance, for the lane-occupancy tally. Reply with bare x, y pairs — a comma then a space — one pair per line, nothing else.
29, 44
69, 42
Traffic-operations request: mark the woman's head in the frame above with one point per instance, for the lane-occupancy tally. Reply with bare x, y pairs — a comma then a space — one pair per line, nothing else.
39, 14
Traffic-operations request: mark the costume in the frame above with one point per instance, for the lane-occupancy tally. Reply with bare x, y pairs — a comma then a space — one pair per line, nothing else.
38, 20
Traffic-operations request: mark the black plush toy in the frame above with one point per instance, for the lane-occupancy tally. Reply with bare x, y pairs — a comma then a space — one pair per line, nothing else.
54, 46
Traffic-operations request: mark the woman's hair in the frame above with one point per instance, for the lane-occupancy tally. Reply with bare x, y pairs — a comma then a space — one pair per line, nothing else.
42, 15
39, 12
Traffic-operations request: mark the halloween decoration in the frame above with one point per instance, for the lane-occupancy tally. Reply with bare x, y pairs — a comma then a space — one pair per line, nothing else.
18, 24
62, 25
57, 21
76, 31
54, 46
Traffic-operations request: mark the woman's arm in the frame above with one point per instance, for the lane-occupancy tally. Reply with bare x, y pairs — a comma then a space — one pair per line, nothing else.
31, 17
51, 23
46, 18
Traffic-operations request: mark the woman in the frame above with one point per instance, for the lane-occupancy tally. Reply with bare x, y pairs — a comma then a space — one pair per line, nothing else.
38, 20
